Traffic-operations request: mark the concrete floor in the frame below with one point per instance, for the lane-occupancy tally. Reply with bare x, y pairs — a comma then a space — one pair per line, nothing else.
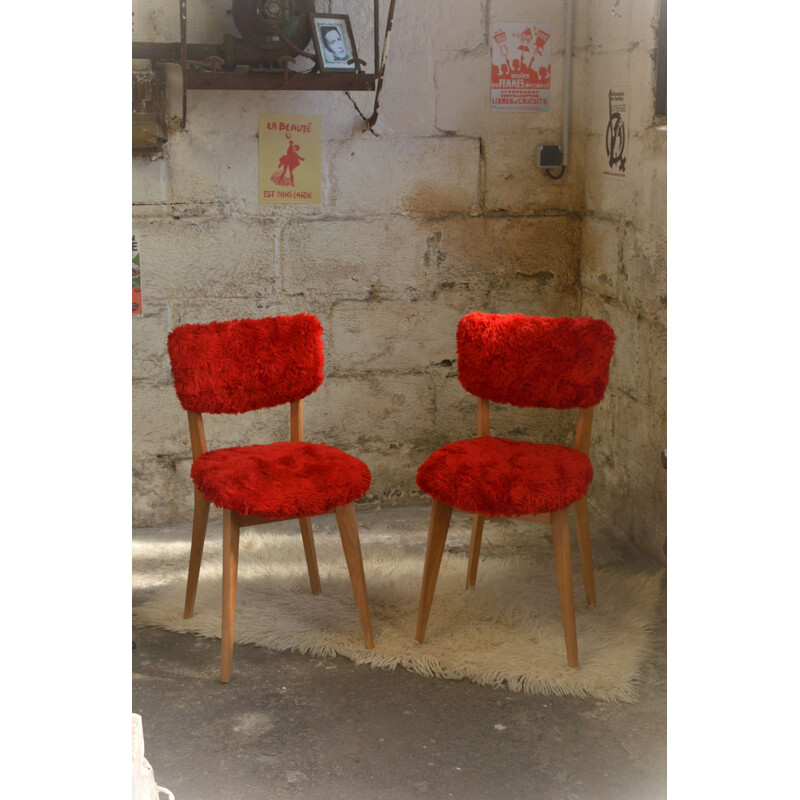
293, 726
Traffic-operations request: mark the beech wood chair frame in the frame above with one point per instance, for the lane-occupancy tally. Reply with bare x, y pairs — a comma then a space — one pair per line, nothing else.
559, 524
232, 523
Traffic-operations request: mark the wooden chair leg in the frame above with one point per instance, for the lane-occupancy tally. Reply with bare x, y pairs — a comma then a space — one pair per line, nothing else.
199, 524
348, 530
474, 550
560, 527
585, 549
437, 535
311, 554
230, 567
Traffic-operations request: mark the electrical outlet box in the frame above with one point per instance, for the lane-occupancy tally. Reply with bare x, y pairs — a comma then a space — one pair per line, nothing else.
548, 155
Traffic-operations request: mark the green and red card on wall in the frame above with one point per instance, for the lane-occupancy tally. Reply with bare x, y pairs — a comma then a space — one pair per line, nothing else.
137, 281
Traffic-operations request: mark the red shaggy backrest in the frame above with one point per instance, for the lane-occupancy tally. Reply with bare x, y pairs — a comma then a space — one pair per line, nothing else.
240, 365
548, 362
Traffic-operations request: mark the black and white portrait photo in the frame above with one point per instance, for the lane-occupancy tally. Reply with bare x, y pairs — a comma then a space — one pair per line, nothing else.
333, 40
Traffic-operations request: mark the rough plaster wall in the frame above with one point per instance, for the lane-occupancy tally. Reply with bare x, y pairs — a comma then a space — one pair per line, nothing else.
624, 271
440, 214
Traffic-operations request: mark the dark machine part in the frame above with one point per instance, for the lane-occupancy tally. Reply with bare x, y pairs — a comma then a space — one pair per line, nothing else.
232, 51
268, 24
271, 31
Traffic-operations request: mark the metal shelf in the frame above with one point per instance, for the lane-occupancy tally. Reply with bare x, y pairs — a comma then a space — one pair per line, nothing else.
293, 81
228, 66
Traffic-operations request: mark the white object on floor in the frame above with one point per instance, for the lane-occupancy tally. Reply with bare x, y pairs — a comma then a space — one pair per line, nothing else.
144, 781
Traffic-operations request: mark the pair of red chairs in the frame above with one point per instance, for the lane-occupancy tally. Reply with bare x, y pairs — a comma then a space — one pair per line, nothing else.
242, 365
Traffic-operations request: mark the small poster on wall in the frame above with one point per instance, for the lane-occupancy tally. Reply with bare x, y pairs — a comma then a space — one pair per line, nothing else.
614, 165
520, 66
137, 280
289, 158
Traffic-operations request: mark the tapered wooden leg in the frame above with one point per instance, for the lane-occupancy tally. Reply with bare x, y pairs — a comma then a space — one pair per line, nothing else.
437, 535
559, 522
585, 549
311, 554
230, 567
474, 549
199, 524
348, 530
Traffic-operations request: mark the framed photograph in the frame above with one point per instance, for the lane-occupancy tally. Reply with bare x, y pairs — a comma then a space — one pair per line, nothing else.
333, 40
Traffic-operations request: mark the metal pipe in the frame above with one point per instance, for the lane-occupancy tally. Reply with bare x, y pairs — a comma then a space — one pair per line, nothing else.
567, 81
376, 35
183, 59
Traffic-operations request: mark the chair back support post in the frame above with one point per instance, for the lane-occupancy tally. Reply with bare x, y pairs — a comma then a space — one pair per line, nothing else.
297, 421
483, 416
583, 430
197, 434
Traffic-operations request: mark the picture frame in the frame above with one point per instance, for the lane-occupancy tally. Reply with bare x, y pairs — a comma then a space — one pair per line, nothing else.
333, 42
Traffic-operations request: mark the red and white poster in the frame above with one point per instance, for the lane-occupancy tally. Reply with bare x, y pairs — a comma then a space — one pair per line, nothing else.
520, 66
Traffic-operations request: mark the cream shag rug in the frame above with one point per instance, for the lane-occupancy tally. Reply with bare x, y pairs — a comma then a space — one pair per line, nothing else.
505, 632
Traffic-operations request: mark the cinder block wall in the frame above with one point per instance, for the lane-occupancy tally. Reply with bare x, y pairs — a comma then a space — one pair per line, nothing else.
443, 212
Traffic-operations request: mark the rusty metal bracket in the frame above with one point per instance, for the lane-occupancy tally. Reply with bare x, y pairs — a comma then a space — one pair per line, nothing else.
358, 64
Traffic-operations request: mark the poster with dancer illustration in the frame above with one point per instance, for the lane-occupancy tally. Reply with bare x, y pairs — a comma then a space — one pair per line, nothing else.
614, 165
289, 158
520, 66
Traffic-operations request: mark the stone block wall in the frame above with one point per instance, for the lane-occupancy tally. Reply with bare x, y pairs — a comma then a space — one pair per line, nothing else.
441, 213
624, 274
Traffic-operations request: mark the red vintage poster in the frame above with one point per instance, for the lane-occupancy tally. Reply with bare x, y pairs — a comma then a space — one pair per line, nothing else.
520, 67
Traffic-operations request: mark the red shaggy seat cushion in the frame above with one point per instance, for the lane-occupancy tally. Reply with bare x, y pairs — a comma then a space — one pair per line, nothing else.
503, 478
281, 480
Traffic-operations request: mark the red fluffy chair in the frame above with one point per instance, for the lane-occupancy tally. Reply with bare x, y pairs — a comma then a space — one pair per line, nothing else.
527, 362
242, 365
